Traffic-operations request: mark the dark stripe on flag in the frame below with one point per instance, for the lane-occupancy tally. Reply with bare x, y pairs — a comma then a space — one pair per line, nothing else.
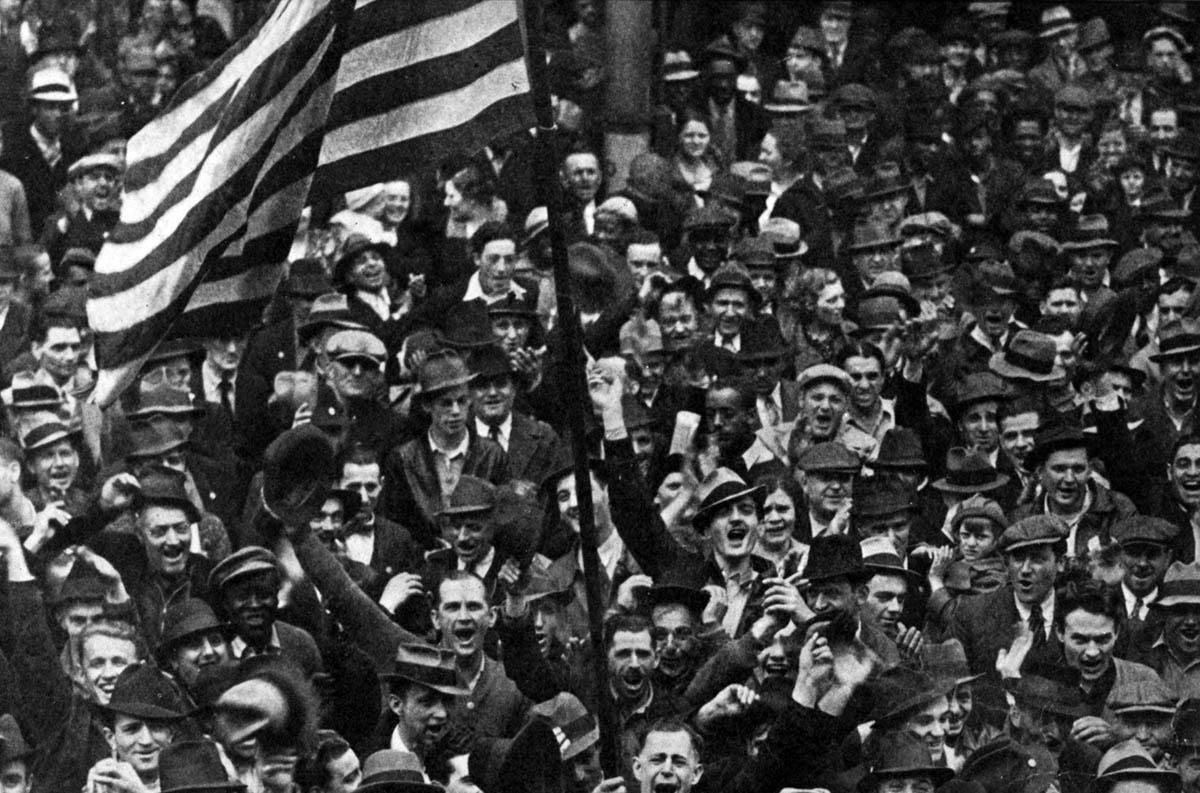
205, 216
356, 170
426, 79
381, 19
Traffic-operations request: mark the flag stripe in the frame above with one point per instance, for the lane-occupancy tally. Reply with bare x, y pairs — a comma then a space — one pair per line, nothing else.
427, 116
173, 167
179, 226
363, 167
380, 47
429, 79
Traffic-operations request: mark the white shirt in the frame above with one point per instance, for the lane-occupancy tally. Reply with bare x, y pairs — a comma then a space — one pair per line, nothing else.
1131, 599
610, 553
1068, 156
764, 413
589, 217
1047, 612
51, 149
481, 567
475, 290
734, 344
505, 430
212, 385
360, 546
817, 526
379, 302
397, 744
240, 649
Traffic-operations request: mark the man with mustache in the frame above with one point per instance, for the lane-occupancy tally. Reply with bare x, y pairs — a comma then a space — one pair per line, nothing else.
245, 586
468, 527
1061, 457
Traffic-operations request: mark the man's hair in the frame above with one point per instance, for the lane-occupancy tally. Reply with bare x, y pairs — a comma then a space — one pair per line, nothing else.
490, 232
645, 237
860, 349
625, 623
1063, 282
1191, 439
313, 769
579, 148
1054, 324
40, 328
357, 453
747, 399
1176, 284
474, 185
456, 575
672, 724
1017, 407
115, 630
1090, 596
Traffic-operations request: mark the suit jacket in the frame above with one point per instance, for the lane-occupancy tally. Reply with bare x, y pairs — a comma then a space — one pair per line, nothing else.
1106, 510
987, 624
14, 333
394, 550
297, 647
272, 350
412, 493
23, 159
77, 230
532, 447
494, 708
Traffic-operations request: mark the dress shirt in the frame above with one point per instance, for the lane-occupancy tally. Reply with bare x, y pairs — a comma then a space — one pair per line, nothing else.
379, 302
241, 650
1047, 612
505, 431
449, 463
212, 385
767, 404
610, 554
360, 545
481, 567
475, 290
1131, 599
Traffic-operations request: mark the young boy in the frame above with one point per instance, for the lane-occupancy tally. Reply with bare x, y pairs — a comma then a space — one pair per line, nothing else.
973, 566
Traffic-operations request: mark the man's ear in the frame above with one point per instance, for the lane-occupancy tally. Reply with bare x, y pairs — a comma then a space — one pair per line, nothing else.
110, 738
395, 704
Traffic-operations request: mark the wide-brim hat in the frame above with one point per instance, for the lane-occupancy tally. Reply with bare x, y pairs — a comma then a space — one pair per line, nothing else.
900, 689
683, 583
969, 472
1029, 356
46, 434
900, 448
186, 619
193, 766
164, 400
1056, 437
143, 692
442, 372
723, 486
529, 763
1129, 760
166, 486
1180, 586
392, 771
834, 556
427, 666
1056, 20
1175, 340
153, 437
351, 248
901, 754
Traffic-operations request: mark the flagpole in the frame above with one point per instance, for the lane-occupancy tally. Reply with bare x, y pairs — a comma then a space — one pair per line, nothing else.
572, 378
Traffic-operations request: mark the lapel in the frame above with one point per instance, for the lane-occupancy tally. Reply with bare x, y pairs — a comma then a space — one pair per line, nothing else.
521, 444
421, 471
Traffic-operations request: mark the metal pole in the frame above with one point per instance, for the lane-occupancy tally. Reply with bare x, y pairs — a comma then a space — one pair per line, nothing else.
573, 379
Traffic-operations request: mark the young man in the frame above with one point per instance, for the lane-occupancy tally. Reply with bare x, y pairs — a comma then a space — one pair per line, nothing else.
1174, 654
139, 721
371, 539
420, 475
192, 640
669, 758
422, 687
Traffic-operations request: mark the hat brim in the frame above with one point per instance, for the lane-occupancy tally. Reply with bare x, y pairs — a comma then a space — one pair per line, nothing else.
1162, 356
938, 774
1083, 245
1000, 365
899, 463
1058, 29
450, 691
680, 76
1173, 601
1105, 781
446, 386
948, 487
143, 710
705, 512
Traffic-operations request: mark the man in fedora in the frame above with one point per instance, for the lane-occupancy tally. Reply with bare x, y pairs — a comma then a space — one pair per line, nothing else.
966, 731
531, 445
1175, 651
421, 474
468, 525
738, 126
1169, 409
891, 590
422, 686
974, 410
1128, 767
245, 585
761, 358
1061, 457
732, 304
192, 640
1034, 551
53, 462
1047, 701
142, 717
992, 300
360, 272
580, 745
901, 758
1060, 34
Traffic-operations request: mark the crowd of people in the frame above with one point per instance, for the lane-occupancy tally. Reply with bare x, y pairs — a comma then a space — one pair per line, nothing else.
892, 345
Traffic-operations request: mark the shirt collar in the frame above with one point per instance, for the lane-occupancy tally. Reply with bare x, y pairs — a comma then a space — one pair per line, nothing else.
481, 567
239, 646
1131, 598
475, 290
457, 451
483, 430
1047, 609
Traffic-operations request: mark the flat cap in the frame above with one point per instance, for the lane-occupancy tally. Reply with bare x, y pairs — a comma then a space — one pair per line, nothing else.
1142, 695
355, 344
1144, 529
1034, 530
824, 372
855, 95
247, 561
1074, 95
830, 456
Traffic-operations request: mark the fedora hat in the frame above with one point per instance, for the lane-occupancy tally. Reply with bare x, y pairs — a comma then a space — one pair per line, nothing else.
1180, 586
152, 437
788, 98
330, 310
564, 463
979, 387
1054, 437
82, 584
298, 468
1137, 264
442, 371
834, 556
947, 661
162, 399
1180, 337
880, 556
182, 620
531, 762
1130, 760
1050, 688
923, 263
1091, 231
1029, 355
682, 583
354, 245
677, 67
577, 729
869, 236
392, 771
761, 340
143, 692
882, 186
470, 496
900, 449
901, 754
732, 276
165, 486
721, 487
467, 328
491, 361
755, 252
427, 666
193, 766
45, 434
784, 235
27, 392
897, 691
969, 472
878, 496
1094, 35
1005, 765
1056, 20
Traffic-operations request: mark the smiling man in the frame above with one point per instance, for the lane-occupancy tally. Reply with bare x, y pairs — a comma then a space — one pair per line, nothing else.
468, 528
1169, 410
1146, 553
245, 585
1060, 457
422, 687
140, 719
732, 301
1175, 655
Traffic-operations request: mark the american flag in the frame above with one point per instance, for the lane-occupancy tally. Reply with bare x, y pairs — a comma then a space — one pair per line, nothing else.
350, 91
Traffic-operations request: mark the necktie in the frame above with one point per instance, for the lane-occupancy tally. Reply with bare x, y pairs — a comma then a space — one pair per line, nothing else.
494, 433
1037, 625
226, 389
1137, 610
